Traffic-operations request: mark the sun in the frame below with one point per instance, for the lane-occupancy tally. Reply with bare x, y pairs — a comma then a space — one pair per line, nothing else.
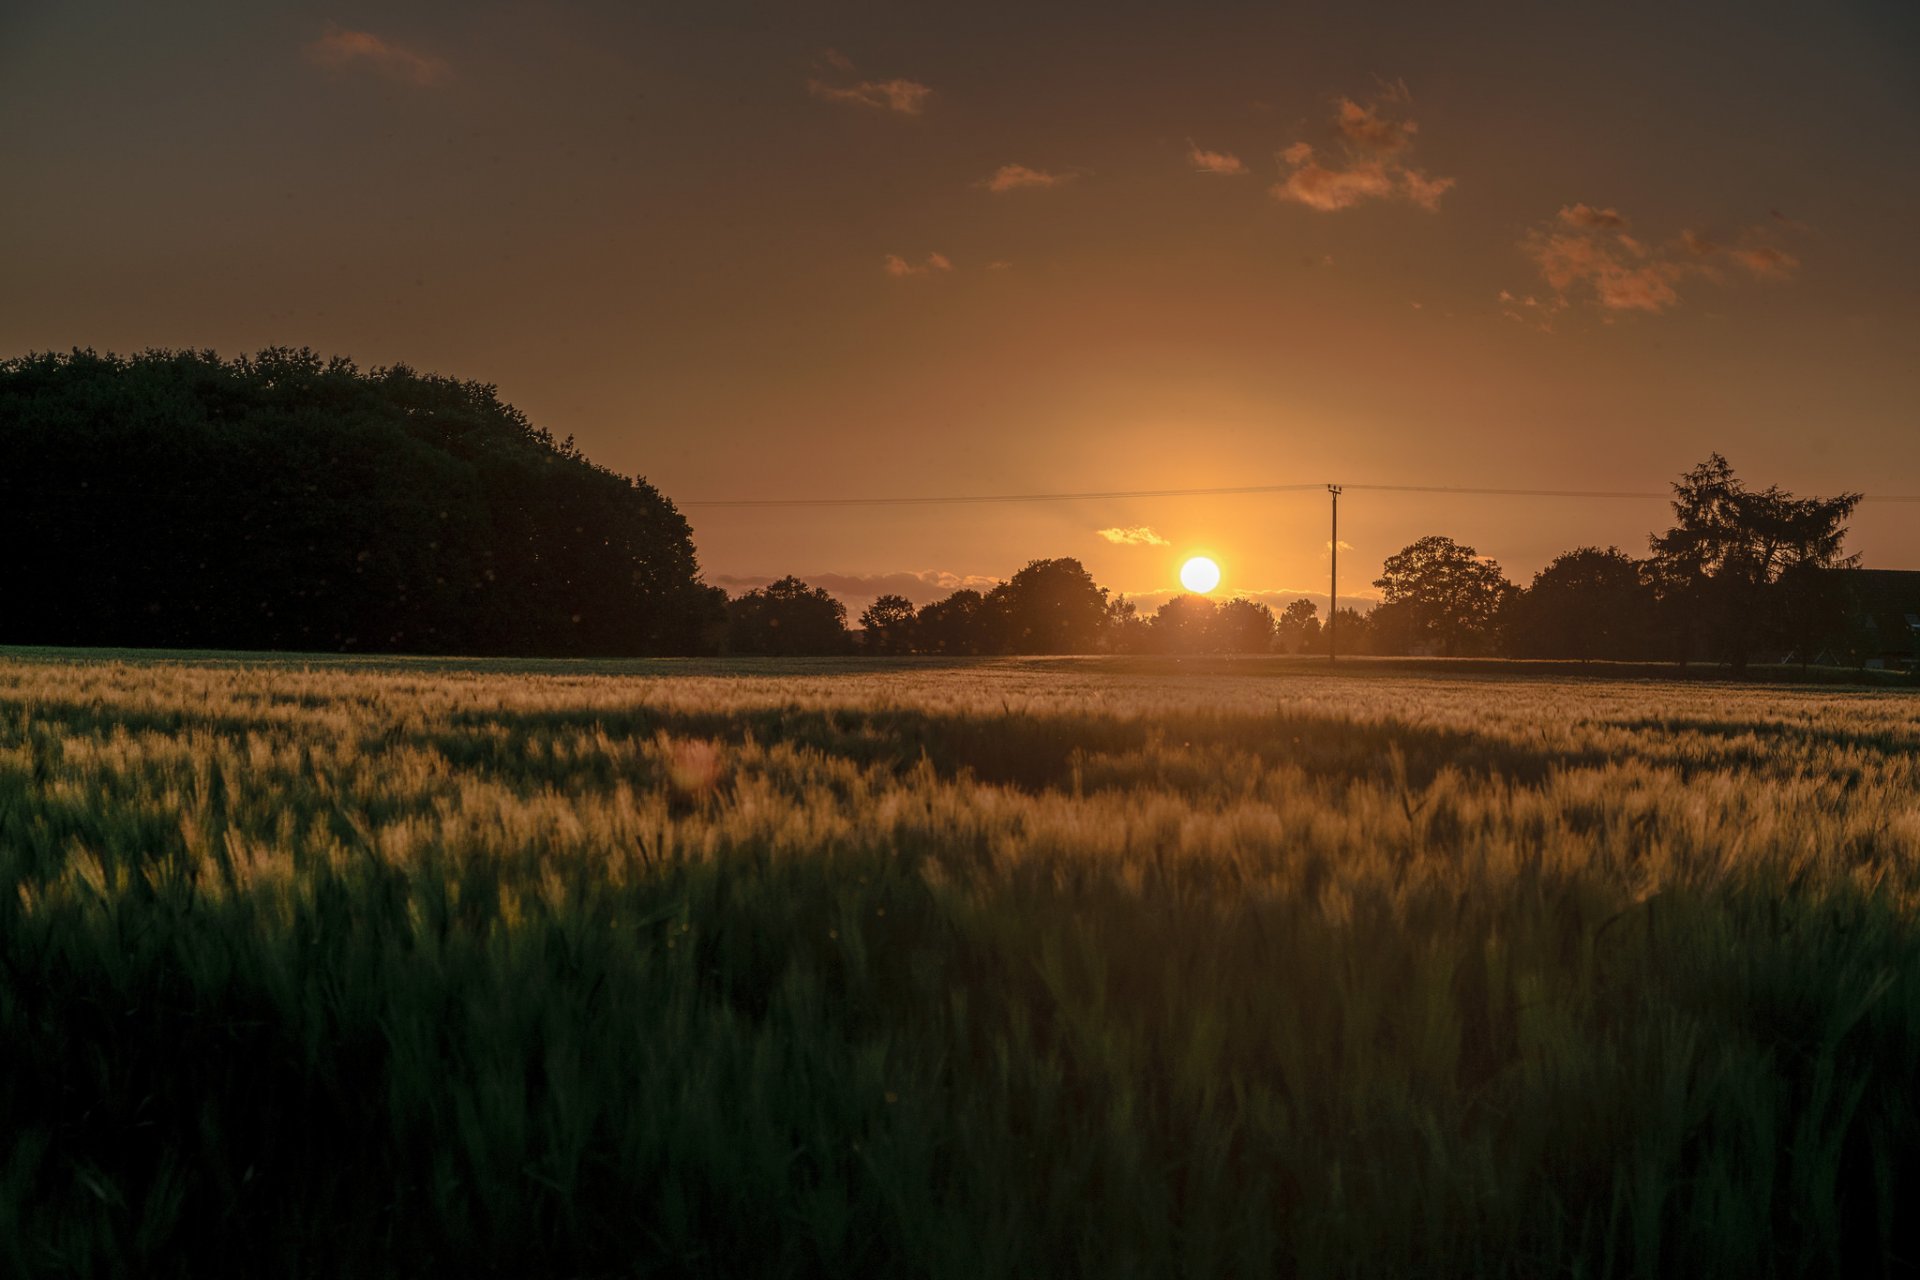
1200, 575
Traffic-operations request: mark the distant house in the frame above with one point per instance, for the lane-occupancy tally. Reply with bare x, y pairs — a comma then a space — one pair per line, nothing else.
1885, 613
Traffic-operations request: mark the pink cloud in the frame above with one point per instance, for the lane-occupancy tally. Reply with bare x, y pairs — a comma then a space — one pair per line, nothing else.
1014, 177
1318, 187
1219, 162
1588, 218
903, 97
1374, 140
1586, 251
899, 268
1365, 129
343, 50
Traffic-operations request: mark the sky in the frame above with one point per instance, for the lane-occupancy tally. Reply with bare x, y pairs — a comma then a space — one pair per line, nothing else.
818, 251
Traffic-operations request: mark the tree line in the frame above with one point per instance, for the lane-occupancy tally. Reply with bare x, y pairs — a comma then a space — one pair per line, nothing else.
283, 501
1741, 571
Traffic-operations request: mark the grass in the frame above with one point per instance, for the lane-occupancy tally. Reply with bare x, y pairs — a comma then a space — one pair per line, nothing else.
952, 969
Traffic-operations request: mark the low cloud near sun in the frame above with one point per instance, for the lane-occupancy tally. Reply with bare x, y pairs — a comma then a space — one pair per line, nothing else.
1139, 535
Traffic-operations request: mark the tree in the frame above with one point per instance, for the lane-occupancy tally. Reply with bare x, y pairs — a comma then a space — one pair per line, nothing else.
1298, 628
1438, 593
1125, 630
285, 500
960, 624
1052, 606
1730, 545
1183, 624
787, 618
1356, 633
1243, 626
889, 624
1586, 604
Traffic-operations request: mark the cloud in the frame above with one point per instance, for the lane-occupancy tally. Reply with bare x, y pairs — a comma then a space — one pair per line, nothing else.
904, 97
1365, 129
343, 50
1219, 162
1588, 218
1769, 262
899, 268
837, 60
1373, 142
1617, 269
1137, 536
1586, 252
1013, 177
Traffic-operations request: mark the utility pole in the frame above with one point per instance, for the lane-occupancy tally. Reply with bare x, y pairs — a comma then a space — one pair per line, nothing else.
1333, 583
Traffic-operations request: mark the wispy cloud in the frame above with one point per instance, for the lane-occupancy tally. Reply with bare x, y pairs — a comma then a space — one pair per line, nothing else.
1589, 253
1374, 139
899, 268
343, 50
1139, 535
1014, 177
899, 95
1217, 162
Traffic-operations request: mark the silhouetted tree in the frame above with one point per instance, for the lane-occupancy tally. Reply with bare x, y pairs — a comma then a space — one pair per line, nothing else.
1298, 627
283, 501
1586, 604
1436, 592
889, 624
1243, 626
787, 618
1183, 624
1730, 544
1126, 631
1051, 606
960, 624
1357, 634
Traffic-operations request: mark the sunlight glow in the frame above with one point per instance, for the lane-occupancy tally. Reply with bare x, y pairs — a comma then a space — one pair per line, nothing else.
1200, 575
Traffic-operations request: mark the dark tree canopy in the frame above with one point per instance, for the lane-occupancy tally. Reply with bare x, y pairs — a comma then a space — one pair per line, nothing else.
1243, 626
963, 623
1297, 630
1731, 545
1439, 594
283, 501
1587, 604
1052, 606
787, 618
1183, 624
888, 623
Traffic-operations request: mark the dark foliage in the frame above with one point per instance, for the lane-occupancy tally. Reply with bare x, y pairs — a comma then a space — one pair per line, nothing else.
1742, 568
283, 501
1587, 604
787, 618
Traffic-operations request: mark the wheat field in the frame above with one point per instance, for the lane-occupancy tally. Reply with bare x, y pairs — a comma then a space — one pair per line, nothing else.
987, 968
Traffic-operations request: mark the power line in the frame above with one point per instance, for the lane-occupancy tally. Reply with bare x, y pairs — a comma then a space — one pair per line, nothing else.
931, 500
1107, 494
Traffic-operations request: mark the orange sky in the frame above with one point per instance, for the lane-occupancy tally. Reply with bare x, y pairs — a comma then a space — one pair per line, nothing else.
867, 250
